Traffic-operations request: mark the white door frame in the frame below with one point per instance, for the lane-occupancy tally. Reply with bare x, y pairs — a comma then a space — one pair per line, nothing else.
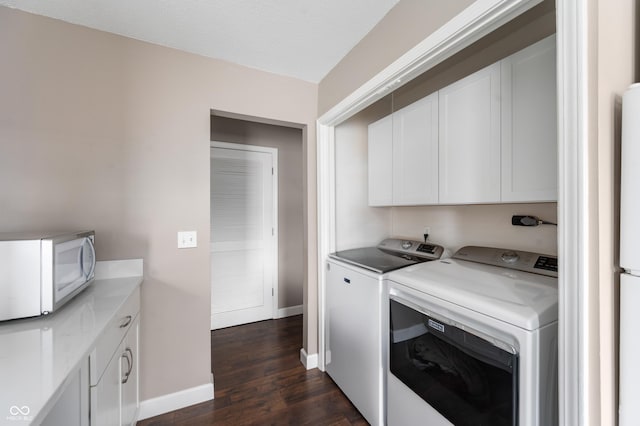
575, 239
274, 156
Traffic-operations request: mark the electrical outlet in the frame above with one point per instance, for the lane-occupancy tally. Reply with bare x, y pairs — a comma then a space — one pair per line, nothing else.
426, 232
187, 239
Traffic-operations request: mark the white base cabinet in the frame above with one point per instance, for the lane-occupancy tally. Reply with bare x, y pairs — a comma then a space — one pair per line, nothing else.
114, 369
105, 396
50, 364
130, 398
72, 408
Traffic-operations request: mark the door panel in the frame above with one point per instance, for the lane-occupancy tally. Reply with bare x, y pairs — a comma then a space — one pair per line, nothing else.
380, 162
243, 251
529, 128
130, 376
415, 153
469, 167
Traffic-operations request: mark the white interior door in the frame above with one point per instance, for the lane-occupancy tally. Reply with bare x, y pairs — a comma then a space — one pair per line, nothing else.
243, 235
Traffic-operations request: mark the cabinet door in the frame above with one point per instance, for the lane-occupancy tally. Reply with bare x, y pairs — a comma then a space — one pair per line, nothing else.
105, 395
415, 153
379, 162
529, 124
72, 408
129, 378
114, 399
470, 139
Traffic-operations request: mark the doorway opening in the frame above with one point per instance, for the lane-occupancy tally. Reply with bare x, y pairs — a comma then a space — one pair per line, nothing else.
288, 228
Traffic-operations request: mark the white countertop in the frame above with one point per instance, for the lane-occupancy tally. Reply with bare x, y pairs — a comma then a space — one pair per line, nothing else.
37, 355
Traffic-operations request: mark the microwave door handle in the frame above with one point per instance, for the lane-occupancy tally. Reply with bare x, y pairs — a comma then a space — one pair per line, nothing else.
93, 257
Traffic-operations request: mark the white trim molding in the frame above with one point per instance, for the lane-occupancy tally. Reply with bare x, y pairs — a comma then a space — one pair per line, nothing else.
309, 361
289, 311
175, 401
575, 235
326, 222
474, 22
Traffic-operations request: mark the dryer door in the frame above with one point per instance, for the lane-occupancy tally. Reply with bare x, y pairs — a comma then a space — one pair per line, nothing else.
467, 379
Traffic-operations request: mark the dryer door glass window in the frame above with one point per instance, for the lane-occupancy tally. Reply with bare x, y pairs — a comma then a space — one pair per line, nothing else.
466, 379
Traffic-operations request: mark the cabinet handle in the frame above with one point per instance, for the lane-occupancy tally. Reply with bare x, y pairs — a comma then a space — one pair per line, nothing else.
125, 378
128, 355
127, 321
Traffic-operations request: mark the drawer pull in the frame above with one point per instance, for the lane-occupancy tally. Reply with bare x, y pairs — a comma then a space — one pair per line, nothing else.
127, 321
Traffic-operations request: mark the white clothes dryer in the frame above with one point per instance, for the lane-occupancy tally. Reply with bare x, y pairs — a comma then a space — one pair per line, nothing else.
473, 340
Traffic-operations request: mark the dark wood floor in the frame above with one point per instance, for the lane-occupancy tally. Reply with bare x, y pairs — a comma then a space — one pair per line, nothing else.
259, 380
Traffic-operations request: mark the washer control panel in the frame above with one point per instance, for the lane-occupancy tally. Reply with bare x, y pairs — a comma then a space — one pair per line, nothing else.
428, 248
412, 248
513, 259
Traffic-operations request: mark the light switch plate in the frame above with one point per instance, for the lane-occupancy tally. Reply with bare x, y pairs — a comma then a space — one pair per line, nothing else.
187, 239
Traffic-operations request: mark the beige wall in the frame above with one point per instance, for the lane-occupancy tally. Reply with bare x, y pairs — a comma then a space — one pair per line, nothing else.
99, 131
61, 132
406, 25
288, 141
616, 69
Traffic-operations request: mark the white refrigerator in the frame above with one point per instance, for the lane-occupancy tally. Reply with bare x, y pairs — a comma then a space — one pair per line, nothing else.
630, 258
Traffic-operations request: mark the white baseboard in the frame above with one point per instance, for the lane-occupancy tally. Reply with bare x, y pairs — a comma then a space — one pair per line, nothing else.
174, 401
289, 311
309, 361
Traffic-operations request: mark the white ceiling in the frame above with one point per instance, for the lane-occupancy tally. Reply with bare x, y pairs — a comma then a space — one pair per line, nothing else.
298, 38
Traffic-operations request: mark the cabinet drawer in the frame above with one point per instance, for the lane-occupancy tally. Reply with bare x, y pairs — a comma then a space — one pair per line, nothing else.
113, 335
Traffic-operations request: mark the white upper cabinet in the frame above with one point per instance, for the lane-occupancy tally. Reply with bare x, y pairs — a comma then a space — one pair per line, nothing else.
415, 153
470, 139
529, 124
488, 138
403, 156
380, 162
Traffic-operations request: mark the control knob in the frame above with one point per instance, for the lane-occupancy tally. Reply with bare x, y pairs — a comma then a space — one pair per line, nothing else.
509, 256
406, 245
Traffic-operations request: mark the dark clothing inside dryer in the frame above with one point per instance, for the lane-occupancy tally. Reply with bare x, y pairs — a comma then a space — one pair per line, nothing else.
430, 352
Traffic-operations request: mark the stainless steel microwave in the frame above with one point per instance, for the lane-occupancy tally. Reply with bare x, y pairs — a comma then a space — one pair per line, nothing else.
40, 272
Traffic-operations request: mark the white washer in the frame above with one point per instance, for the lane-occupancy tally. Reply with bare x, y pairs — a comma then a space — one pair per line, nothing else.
356, 318
473, 340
